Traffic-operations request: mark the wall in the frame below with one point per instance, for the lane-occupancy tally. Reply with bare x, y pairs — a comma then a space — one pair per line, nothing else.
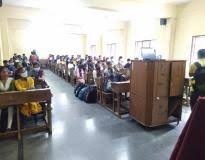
111, 33
24, 29
139, 28
1, 50
150, 29
190, 22
125, 34
6, 13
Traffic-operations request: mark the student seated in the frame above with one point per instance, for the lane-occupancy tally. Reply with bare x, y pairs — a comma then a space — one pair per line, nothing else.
128, 64
80, 71
24, 57
40, 81
36, 70
120, 73
90, 65
98, 68
23, 83
6, 85
108, 77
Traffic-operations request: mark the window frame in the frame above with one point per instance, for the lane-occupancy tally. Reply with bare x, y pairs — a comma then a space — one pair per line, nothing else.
193, 45
142, 46
112, 49
93, 49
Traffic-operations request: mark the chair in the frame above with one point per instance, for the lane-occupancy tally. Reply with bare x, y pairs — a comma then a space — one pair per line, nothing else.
72, 77
89, 78
99, 84
106, 97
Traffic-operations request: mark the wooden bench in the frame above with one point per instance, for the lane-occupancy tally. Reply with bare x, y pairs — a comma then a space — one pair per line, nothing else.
44, 63
16, 99
106, 97
118, 88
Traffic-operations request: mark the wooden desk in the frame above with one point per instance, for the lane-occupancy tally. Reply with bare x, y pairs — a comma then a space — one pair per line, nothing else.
118, 88
17, 98
43, 63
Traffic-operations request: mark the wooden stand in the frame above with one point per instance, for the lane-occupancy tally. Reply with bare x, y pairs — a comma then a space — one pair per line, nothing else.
18, 98
157, 91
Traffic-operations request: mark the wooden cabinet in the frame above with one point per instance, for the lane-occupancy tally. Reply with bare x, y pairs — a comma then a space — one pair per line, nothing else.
177, 78
152, 85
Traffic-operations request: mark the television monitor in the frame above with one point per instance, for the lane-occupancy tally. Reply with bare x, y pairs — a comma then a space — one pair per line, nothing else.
148, 54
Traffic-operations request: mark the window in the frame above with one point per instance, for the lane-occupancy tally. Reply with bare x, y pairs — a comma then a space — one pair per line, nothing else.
198, 42
111, 50
147, 44
92, 50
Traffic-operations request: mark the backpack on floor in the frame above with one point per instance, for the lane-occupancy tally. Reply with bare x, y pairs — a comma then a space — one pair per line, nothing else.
199, 78
86, 92
91, 95
79, 89
82, 93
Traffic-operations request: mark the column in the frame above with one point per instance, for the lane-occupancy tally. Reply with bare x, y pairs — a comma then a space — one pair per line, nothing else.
6, 46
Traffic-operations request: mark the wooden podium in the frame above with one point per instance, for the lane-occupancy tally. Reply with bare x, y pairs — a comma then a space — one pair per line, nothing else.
157, 91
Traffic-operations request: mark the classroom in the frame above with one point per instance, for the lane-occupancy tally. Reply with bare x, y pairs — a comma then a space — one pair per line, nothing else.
102, 79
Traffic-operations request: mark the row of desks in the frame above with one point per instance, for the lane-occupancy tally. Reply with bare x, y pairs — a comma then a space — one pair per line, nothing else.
17, 98
118, 88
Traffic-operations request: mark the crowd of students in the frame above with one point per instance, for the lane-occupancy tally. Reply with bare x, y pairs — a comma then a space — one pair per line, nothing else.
99, 66
20, 74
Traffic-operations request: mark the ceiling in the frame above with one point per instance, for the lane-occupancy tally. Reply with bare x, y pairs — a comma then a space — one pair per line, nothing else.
96, 11
103, 4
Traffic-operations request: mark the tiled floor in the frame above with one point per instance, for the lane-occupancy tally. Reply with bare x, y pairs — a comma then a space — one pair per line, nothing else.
89, 132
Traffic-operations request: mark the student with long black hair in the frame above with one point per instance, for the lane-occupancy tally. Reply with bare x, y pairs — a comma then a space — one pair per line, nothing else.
6, 85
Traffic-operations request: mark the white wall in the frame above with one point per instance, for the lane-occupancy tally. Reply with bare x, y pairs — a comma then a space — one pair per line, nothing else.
25, 29
1, 49
150, 29
111, 33
190, 22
